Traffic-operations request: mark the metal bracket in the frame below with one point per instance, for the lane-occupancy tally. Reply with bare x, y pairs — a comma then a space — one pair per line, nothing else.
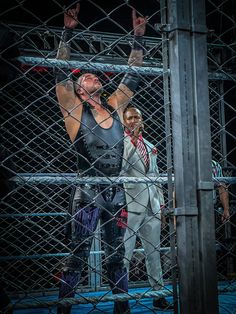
167, 212
186, 211
205, 185
168, 28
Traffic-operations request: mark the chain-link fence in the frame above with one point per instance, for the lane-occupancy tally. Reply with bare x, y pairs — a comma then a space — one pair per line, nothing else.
221, 60
39, 163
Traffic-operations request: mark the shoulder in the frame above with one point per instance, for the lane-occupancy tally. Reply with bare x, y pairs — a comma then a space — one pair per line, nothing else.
127, 141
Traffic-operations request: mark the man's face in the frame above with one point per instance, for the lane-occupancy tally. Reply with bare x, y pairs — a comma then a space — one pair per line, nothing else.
88, 83
133, 120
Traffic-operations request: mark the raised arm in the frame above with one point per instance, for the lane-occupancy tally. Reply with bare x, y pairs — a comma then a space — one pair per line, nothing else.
139, 27
121, 97
70, 105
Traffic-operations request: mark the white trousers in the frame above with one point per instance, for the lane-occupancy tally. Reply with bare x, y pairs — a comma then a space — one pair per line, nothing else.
148, 227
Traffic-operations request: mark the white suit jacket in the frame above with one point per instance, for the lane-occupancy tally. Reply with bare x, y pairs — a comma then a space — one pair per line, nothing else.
138, 195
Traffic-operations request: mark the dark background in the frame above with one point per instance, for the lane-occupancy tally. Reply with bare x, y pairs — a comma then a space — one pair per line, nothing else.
92, 13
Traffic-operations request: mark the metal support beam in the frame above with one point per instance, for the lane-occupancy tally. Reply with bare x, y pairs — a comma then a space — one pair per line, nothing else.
204, 168
169, 155
184, 158
189, 95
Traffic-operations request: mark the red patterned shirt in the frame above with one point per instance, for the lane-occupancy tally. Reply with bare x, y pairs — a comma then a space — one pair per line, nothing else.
141, 147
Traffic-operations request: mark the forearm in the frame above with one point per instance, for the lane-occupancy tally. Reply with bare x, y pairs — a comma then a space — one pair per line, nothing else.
126, 89
136, 55
63, 53
64, 84
224, 198
64, 49
131, 80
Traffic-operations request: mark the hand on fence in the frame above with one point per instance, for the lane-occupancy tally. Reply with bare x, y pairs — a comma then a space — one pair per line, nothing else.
71, 17
139, 24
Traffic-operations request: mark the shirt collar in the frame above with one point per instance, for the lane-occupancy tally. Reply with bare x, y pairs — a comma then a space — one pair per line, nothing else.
128, 133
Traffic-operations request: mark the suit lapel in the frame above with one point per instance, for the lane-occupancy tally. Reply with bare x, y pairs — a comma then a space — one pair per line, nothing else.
131, 148
130, 152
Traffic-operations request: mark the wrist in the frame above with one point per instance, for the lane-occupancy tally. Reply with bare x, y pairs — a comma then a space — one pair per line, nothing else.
67, 34
131, 80
138, 42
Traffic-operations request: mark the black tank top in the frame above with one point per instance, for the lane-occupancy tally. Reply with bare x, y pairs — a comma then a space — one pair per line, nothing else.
99, 150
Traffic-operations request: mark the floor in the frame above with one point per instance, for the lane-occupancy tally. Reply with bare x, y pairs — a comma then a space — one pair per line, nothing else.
227, 304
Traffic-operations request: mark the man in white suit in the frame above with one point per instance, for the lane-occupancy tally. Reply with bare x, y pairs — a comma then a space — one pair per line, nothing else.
143, 200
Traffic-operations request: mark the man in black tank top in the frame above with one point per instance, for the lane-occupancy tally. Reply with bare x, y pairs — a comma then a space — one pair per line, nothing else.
95, 128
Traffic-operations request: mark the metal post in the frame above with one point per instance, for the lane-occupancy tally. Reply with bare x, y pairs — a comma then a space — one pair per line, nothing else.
191, 138
167, 105
204, 171
184, 157
222, 123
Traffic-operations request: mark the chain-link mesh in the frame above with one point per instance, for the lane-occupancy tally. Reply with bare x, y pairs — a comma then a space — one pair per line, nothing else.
221, 57
34, 140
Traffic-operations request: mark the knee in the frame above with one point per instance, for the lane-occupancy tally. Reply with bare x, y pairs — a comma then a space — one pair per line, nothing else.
81, 249
116, 252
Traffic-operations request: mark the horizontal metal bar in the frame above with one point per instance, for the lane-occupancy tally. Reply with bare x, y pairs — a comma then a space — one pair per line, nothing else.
91, 37
73, 178
85, 299
79, 34
49, 255
164, 250
89, 66
95, 300
221, 76
33, 256
229, 180
199, 29
109, 67
28, 215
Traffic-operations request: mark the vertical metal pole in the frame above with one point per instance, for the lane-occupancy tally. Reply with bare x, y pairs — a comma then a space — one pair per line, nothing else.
169, 150
192, 155
222, 122
184, 156
204, 171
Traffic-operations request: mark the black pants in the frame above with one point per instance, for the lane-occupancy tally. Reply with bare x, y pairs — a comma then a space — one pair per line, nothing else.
91, 203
